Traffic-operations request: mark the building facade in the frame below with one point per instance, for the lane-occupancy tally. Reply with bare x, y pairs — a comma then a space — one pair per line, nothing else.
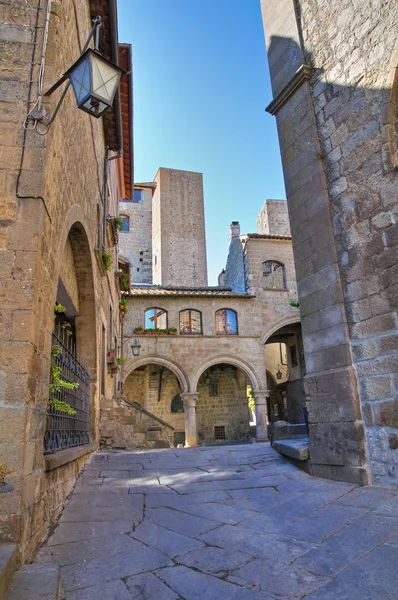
334, 82
59, 196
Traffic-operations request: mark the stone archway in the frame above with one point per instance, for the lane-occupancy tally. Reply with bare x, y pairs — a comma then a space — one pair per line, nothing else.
255, 382
133, 364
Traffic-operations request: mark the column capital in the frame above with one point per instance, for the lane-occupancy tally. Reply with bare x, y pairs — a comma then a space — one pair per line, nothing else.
260, 396
189, 399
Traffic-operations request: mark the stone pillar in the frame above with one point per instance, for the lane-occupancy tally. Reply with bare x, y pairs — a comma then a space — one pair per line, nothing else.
146, 389
190, 400
260, 400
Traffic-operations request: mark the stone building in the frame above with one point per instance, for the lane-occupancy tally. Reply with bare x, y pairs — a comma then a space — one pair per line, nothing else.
334, 77
202, 348
59, 195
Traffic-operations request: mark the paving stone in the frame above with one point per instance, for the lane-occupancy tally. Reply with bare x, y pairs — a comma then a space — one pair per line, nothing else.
149, 587
84, 550
350, 544
169, 542
257, 543
150, 489
191, 585
196, 477
180, 522
114, 590
390, 507
214, 561
265, 497
278, 579
323, 523
229, 484
368, 497
175, 500
118, 566
375, 576
73, 532
104, 507
35, 582
221, 513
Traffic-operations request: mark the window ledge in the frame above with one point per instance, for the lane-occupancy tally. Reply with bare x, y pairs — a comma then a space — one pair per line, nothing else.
53, 461
275, 289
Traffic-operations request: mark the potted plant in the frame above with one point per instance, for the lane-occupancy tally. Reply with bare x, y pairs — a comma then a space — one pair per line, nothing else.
111, 353
120, 361
4, 470
123, 307
149, 332
139, 330
107, 260
173, 331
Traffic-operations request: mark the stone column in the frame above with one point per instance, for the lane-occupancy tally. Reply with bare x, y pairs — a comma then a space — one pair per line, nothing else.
190, 400
260, 400
146, 389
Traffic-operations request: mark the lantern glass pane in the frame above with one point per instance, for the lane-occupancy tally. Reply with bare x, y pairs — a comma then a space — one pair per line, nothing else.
95, 107
105, 79
80, 80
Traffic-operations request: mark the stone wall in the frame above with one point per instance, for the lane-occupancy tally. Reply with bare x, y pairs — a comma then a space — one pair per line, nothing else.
273, 218
332, 100
179, 245
136, 244
62, 184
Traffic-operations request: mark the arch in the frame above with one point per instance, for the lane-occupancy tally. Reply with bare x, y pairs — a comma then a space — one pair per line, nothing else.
231, 360
289, 320
133, 364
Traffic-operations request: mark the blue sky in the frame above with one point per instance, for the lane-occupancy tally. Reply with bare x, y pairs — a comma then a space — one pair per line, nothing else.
201, 84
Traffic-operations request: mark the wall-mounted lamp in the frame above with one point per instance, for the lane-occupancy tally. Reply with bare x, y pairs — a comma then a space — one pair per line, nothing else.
94, 80
135, 348
279, 373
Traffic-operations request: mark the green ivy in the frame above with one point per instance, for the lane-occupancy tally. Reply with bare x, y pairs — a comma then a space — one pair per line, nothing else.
58, 384
107, 259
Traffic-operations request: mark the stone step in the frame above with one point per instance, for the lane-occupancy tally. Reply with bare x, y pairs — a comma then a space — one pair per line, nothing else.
297, 448
35, 582
7, 566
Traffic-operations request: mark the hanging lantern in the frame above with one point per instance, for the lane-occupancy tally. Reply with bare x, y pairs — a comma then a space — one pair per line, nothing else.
94, 80
135, 348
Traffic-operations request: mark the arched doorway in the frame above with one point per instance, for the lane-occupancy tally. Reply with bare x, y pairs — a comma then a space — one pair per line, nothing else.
285, 362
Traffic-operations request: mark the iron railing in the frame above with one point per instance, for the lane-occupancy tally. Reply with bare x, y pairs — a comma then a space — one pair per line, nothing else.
64, 430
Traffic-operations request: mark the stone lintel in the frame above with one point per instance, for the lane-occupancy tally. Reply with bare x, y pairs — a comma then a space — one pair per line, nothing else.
302, 74
53, 461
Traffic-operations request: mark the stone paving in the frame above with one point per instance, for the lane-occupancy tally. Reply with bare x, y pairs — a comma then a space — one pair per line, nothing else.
236, 522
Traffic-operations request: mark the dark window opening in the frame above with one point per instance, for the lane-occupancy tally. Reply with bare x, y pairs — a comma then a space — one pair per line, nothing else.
293, 356
213, 388
190, 322
219, 432
226, 322
177, 405
179, 438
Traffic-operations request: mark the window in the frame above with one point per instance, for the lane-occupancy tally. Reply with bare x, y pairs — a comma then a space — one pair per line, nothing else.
125, 228
155, 318
274, 275
226, 322
138, 196
190, 321
177, 404
219, 432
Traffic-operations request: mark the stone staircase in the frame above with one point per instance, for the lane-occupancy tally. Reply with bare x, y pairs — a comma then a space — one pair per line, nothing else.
127, 425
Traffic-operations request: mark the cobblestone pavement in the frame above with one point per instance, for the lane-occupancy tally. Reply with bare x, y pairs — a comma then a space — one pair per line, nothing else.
236, 522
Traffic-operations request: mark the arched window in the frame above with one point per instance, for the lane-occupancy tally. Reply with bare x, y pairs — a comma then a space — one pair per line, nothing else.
226, 322
155, 318
177, 404
190, 321
274, 275
125, 224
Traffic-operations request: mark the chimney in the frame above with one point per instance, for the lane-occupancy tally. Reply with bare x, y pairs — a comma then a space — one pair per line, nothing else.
221, 279
234, 230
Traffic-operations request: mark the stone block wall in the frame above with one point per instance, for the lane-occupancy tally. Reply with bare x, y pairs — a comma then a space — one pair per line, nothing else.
335, 125
179, 245
136, 244
60, 196
273, 218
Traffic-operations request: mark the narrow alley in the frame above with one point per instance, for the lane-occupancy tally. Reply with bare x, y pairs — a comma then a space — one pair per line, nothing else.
232, 521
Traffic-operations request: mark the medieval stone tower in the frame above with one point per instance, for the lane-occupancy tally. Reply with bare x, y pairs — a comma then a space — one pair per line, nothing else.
164, 234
